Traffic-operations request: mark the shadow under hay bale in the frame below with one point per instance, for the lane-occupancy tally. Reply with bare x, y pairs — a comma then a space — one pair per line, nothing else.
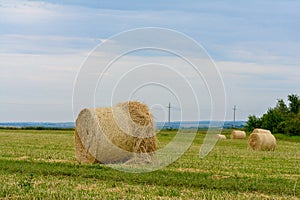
115, 134
236, 134
261, 139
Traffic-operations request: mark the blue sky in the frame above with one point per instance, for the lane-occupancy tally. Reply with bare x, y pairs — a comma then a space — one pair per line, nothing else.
256, 46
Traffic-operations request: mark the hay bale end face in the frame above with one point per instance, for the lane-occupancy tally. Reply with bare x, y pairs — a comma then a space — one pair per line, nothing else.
261, 139
114, 134
81, 153
236, 134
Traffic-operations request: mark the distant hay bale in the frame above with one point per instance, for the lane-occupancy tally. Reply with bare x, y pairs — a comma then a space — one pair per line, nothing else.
236, 134
114, 134
261, 139
221, 137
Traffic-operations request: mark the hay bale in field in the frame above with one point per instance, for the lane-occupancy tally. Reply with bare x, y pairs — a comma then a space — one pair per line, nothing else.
114, 134
261, 139
236, 134
221, 137
81, 153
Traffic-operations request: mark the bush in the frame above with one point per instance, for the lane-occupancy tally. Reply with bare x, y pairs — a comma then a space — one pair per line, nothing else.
271, 120
252, 123
280, 119
293, 126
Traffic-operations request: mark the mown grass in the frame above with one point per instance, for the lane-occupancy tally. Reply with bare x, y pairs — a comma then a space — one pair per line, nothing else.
40, 164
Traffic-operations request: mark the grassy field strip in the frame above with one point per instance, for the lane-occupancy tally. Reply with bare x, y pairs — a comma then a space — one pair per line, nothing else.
102, 189
164, 177
26, 158
42, 164
226, 170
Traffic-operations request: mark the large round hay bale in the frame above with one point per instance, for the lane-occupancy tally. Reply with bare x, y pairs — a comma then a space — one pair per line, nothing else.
236, 134
114, 134
82, 153
261, 139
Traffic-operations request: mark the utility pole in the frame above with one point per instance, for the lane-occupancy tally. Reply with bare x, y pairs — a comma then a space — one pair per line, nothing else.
169, 116
234, 109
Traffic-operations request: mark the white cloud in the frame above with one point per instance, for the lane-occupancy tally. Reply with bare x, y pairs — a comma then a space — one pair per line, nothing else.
255, 87
272, 53
42, 45
45, 44
48, 79
38, 75
257, 70
27, 12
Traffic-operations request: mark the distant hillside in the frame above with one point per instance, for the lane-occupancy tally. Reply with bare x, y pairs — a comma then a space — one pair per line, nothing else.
159, 125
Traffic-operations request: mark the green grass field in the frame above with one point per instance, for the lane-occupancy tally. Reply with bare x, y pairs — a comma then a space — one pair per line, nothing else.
41, 165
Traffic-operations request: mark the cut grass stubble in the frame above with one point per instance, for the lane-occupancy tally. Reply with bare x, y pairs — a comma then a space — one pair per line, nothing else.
42, 164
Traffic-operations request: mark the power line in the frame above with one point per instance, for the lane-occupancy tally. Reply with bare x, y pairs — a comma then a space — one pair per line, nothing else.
234, 109
169, 116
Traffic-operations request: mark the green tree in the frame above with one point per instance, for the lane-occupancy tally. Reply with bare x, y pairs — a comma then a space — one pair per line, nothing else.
292, 126
294, 103
272, 119
282, 107
252, 123
283, 111
280, 119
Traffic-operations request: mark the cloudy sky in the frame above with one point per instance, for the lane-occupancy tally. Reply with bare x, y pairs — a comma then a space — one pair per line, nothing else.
43, 44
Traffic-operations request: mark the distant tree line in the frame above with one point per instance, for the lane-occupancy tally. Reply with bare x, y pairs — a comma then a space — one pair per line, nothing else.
280, 119
34, 128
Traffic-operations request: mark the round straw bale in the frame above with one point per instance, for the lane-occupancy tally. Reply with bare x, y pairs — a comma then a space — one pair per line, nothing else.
261, 139
221, 137
114, 134
236, 134
81, 153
